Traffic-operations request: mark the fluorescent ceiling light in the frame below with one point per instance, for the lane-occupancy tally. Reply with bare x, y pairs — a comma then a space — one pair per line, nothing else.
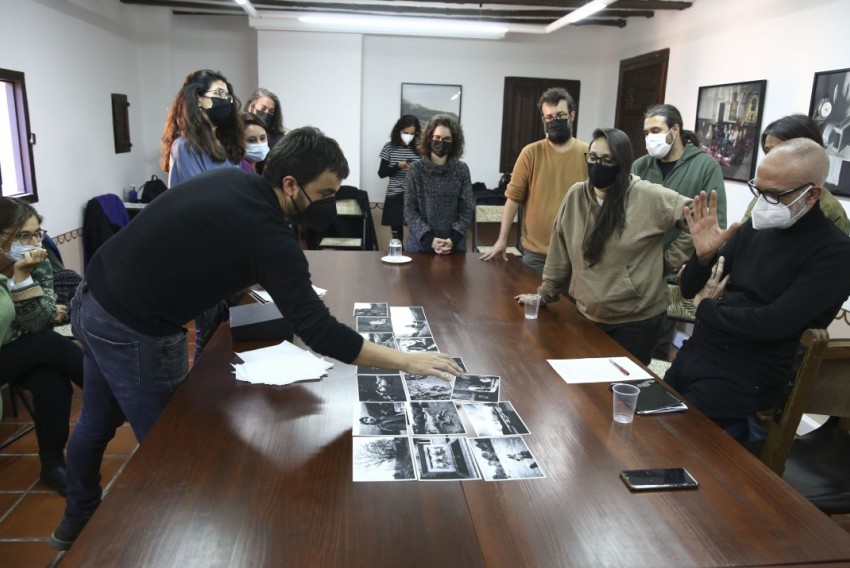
248, 7
587, 10
404, 26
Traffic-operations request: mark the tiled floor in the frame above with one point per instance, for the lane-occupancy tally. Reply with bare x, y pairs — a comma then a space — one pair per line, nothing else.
29, 510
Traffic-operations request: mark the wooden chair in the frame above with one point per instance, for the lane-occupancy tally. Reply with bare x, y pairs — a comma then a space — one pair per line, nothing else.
347, 209
817, 464
493, 214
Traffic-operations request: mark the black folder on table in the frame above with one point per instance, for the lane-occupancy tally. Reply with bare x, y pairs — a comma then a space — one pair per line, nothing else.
655, 399
258, 321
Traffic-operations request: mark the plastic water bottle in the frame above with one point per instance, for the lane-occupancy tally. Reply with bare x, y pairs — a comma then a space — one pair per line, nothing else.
132, 196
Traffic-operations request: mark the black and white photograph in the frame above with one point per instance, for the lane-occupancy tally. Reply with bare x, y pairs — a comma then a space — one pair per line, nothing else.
410, 344
427, 387
435, 418
494, 418
408, 313
479, 388
367, 370
411, 328
424, 100
830, 109
370, 309
501, 459
380, 388
728, 126
370, 323
443, 459
382, 459
386, 339
380, 419
460, 363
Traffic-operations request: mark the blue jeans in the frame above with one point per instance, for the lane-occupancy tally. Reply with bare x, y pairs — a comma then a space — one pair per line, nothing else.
129, 375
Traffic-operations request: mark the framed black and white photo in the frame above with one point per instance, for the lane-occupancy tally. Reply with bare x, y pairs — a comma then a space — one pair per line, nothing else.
424, 100
728, 126
830, 109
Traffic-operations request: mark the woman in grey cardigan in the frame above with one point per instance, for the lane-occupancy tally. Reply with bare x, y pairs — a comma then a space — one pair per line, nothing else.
438, 191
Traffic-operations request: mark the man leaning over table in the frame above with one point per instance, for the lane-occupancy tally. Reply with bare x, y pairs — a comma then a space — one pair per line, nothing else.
212, 235
784, 270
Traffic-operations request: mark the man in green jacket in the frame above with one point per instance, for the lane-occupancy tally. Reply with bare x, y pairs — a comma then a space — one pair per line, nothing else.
675, 161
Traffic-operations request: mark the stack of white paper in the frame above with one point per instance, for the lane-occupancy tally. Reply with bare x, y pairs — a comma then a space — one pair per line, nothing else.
264, 297
598, 370
280, 365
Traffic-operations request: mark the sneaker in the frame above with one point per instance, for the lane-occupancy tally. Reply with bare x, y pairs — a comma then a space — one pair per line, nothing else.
65, 534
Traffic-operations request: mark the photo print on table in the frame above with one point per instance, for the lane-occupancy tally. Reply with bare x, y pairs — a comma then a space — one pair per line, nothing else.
479, 388
433, 418
427, 387
494, 419
502, 459
382, 459
411, 328
419, 344
443, 459
370, 309
380, 388
460, 364
367, 370
408, 313
384, 338
369, 323
380, 419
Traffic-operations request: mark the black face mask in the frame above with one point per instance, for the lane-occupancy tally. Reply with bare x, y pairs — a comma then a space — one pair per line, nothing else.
265, 116
319, 215
559, 131
602, 177
441, 148
220, 111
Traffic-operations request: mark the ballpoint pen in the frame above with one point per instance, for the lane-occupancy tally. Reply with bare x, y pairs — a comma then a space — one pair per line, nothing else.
619, 367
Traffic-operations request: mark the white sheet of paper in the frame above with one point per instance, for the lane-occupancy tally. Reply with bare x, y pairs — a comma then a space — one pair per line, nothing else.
280, 364
598, 370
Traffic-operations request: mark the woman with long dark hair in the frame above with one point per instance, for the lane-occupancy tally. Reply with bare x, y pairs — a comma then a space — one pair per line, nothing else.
396, 157
32, 355
607, 244
203, 129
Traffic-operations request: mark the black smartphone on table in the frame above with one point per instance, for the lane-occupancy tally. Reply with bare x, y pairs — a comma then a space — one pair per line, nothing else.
655, 479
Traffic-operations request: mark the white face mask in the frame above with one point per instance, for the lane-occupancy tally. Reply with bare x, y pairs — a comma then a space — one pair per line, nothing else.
657, 145
17, 251
407, 138
777, 215
257, 152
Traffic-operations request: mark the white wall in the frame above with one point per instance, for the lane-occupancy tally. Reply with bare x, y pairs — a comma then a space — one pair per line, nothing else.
318, 80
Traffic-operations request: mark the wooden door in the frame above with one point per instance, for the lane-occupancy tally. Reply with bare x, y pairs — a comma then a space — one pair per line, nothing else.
521, 123
643, 81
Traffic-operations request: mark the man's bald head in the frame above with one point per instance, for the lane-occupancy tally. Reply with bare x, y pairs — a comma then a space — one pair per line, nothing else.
796, 162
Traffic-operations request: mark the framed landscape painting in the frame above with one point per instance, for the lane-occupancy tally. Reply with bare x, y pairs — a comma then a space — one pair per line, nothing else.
729, 125
830, 109
424, 100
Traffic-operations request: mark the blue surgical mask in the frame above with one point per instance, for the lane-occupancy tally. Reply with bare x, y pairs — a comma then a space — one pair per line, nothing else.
257, 152
17, 251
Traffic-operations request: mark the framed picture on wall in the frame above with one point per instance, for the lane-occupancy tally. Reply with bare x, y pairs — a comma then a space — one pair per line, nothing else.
729, 125
830, 109
424, 100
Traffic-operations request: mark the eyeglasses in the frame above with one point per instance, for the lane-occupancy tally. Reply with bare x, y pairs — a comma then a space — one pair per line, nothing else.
560, 116
607, 160
772, 195
219, 94
441, 138
26, 237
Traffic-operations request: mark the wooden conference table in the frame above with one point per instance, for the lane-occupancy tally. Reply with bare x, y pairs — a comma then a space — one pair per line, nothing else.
239, 475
